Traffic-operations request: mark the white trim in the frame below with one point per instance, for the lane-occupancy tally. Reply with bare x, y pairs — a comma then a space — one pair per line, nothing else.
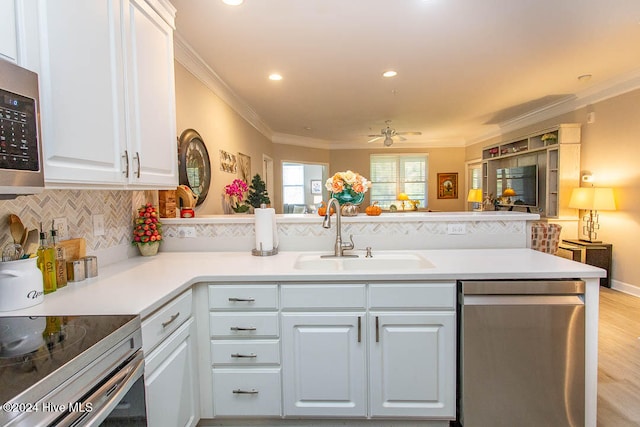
189, 58
625, 287
608, 89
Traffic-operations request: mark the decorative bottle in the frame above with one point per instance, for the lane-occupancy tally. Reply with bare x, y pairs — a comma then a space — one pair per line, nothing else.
47, 263
61, 263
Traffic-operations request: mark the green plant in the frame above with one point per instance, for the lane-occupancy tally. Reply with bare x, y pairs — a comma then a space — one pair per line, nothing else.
258, 194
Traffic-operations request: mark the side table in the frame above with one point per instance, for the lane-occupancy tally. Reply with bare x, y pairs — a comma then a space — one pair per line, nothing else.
596, 254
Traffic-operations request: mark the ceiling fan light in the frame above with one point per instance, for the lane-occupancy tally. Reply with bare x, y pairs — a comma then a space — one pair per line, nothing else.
388, 141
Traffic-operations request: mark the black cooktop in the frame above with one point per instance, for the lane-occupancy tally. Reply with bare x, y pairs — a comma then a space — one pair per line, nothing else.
32, 348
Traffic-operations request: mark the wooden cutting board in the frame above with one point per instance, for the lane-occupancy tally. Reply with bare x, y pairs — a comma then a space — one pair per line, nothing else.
74, 248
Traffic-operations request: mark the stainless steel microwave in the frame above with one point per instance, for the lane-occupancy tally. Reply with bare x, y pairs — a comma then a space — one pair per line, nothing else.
21, 170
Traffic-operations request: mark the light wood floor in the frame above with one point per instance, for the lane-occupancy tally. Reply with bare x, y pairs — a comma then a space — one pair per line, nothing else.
619, 360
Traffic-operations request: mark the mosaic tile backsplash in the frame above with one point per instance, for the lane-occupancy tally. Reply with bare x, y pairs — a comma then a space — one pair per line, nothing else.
78, 206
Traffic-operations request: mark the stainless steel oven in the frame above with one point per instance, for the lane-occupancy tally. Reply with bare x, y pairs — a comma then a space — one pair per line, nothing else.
71, 371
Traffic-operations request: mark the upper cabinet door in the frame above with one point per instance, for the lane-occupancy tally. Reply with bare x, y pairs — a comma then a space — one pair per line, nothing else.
82, 92
8, 33
150, 79
107, 93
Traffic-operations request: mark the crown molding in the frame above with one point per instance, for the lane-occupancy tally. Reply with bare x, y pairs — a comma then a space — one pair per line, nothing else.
189, 58
597, 93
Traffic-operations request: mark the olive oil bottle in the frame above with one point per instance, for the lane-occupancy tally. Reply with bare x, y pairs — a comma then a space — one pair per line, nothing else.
47, 263
61, 263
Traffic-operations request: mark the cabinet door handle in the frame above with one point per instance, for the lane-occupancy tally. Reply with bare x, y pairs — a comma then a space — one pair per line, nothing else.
242, 299
359, 329
171, 320
239, 355
126, 164
137, 157
240, 391
242, 328
377, 329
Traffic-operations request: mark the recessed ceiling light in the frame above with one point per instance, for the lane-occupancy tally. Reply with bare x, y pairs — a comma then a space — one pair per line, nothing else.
275, 76
389, 73
232, 2
584, 78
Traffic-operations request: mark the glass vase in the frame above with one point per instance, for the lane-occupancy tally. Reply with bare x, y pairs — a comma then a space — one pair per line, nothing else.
348, 196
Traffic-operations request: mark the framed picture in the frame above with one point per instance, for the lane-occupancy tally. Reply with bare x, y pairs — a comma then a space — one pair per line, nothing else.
244, 167
228, 162
448, 185
316, 186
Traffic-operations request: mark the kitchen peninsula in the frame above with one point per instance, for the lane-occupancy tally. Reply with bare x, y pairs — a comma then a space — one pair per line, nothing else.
281, 286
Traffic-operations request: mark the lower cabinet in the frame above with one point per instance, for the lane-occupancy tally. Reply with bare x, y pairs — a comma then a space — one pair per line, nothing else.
324, 364
170, 380
412, 362
348, 350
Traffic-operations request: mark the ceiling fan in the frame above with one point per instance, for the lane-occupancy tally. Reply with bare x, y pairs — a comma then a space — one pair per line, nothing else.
389, 134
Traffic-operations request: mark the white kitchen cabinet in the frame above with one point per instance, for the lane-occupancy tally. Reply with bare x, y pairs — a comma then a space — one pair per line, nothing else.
107, 94
8, 31
245, 350
324, 364
171, 381
412, 364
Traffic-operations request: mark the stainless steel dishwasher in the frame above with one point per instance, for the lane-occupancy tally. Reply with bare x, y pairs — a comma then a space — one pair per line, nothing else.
521, 360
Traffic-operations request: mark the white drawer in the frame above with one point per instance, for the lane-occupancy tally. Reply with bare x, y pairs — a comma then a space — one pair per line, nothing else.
243, 297
251, 352
323, 296
243, 324
167, 319
436, 295
246, 392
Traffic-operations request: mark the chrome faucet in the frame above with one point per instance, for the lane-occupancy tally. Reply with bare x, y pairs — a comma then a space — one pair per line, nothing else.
339, 246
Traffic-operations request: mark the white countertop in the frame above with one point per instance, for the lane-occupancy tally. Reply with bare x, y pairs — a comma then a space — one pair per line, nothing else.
140, 285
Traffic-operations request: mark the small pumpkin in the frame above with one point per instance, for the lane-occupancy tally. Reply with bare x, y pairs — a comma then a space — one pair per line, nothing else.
322, 210
373, 209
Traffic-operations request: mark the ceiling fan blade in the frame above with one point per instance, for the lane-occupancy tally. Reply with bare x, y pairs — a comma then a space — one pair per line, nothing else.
399, 138
408, 133
374, 139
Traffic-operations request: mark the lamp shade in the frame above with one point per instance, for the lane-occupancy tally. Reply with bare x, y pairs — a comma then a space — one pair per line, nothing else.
509, 192
475, 195
403, 196
593, 199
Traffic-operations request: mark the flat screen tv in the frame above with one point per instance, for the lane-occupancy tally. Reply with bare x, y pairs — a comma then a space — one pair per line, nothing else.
523, 180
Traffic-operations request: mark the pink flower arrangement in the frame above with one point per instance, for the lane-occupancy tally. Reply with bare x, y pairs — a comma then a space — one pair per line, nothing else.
234, 193
348, 180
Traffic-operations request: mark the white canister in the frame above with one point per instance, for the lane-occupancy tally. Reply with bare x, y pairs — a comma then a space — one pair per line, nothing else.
20, 284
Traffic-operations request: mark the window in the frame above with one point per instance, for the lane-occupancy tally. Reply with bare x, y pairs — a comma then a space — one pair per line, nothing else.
395, 174
293, 184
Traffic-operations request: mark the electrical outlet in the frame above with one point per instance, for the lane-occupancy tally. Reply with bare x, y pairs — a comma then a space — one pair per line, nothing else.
186, 232
62, 226
456, 229
98, 225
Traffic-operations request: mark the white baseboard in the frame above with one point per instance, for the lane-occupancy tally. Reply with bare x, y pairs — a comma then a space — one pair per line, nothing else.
625, 287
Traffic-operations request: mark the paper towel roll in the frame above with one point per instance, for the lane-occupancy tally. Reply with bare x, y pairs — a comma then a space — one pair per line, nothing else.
266, 235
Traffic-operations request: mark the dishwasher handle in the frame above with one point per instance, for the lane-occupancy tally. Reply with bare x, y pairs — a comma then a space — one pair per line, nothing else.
522, 287
504, 300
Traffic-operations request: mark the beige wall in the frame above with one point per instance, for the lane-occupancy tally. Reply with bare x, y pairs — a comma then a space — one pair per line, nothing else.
221, 128
441, 160
610, 150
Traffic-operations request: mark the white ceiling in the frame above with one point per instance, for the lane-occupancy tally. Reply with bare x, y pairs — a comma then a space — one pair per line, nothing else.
466, 68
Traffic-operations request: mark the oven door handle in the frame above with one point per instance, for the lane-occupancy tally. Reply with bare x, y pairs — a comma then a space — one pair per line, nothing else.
100, 404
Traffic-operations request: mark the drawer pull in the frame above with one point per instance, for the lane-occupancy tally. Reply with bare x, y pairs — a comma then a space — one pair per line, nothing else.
240, 391
171, 320
242, 328
238, 355
242, 299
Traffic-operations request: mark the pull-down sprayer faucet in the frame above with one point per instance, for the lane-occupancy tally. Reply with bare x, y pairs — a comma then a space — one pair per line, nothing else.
339, 247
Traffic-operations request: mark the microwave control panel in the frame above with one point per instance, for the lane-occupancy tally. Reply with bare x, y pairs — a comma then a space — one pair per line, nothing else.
18, 132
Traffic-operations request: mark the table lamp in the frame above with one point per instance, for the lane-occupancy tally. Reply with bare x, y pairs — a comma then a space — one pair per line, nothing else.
592, 199
509, 193
403, 197
475, 196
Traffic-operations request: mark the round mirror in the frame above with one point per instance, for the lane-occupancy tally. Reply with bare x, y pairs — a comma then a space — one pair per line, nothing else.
194, 168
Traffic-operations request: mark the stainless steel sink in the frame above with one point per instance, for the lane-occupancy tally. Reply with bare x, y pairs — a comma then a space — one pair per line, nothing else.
379, 261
